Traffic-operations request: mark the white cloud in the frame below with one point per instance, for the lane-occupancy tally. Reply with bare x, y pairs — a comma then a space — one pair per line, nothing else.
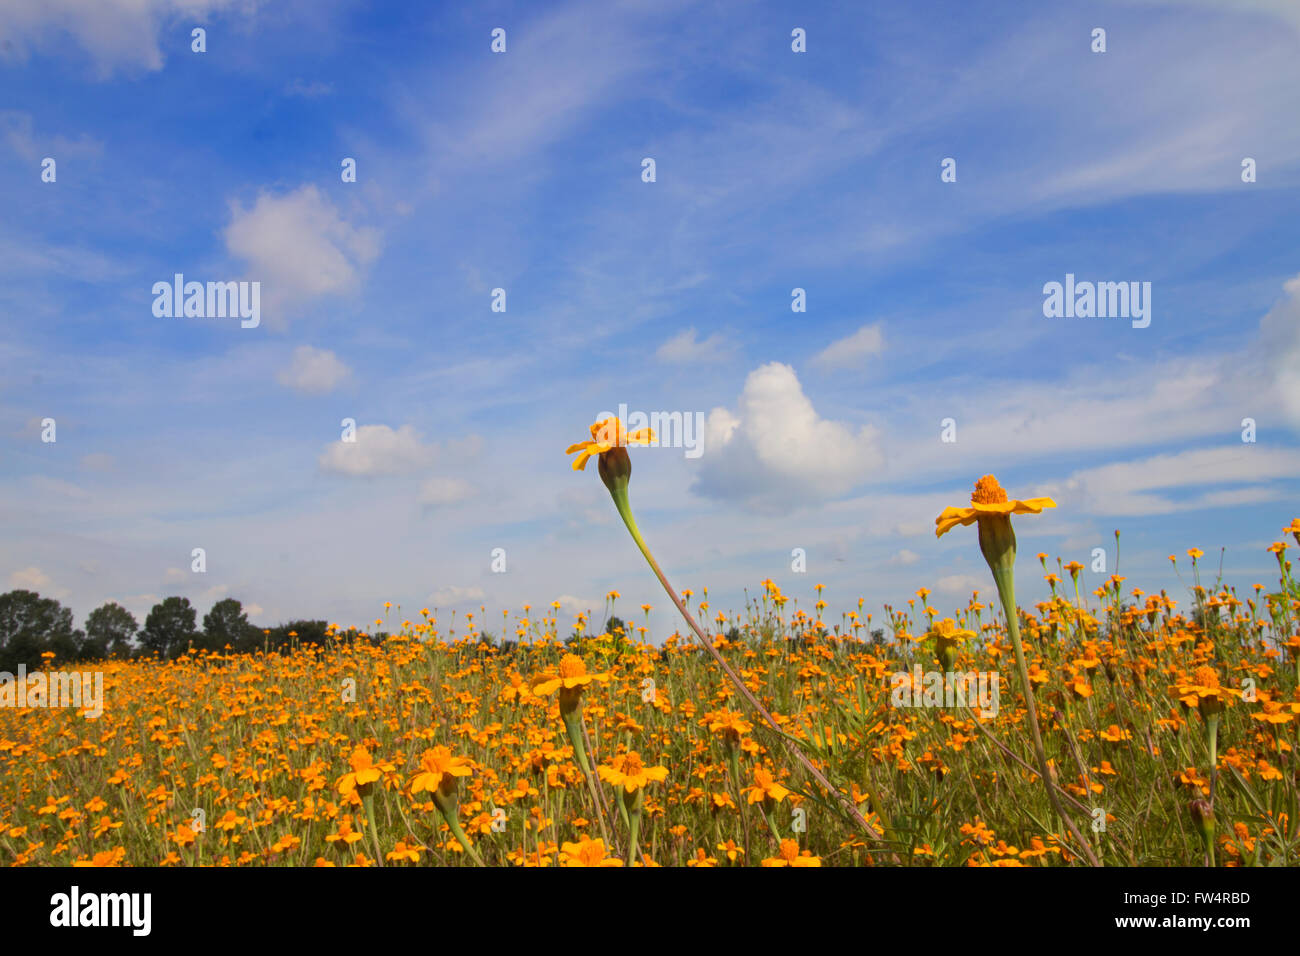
116, 33
1286, 10
960, 584
34, 579
1130, 488
685, 347
19, 131
299, 247
453, 595
439, 491
308, 90
378, 450
577, 605
775, 450
904, 558
852, 350
1279, 341
313, 371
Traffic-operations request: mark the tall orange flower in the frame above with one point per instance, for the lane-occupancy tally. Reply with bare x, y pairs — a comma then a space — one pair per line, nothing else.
606, 435
789, 855
364, 771
588, 852
628, 771
988, 500
439, 770
573, 676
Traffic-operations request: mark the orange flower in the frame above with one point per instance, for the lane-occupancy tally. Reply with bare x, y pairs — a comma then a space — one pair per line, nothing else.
988, 499
588, 852
1202, 690
573, 674
364, 771
789, 856
732, 725
439, 769
765, 787
627, 771
607, 434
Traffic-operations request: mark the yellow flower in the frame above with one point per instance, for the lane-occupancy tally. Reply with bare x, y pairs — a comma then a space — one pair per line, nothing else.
627, 771
947, 635
789, 856
588, 852
1202, 690
989, 499
607, 434
732, 725
364, 771
765, 787
573, 674
439, 769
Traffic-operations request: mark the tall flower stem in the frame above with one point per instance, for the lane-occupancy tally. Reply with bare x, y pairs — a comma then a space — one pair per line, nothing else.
617, 485
447, 806
998, 542
571, 714
368, 805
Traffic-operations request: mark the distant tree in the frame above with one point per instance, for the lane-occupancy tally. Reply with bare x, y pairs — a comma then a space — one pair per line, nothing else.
169, 628
110, 629
30, 625
297, 633
227, 623
617, 626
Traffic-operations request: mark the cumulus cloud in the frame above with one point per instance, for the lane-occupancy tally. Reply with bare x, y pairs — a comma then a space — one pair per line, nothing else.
852, 350
904, 558
378, 450
685, 347
115, 33
775, 450
299, 247
313, 371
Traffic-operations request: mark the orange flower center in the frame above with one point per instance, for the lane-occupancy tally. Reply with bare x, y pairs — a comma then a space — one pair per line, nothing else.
571, 665
1206, 677
988, 492
632, 765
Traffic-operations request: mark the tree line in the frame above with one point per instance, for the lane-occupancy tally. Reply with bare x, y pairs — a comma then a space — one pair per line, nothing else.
32, 626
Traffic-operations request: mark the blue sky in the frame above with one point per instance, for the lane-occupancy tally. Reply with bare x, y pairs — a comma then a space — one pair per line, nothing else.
521, 170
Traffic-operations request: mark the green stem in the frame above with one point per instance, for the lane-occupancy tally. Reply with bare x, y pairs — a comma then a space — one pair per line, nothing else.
572, 718
1003, 577
618, 491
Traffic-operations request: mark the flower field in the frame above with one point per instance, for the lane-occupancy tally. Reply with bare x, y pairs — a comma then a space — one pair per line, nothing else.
1167, 725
